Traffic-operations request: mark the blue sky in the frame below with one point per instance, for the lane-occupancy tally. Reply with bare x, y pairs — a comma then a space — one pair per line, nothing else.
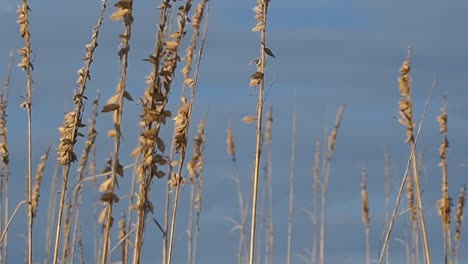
328, 53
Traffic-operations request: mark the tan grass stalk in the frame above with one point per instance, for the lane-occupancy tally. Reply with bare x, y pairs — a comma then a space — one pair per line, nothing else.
291, 183
154, 114
329, 155
115, 105
389, 227
193, 83
258, 80
459, 221
72, 122
5, 159
80, 246
27, 66
315, 209
84, 75
269, 245
406, 119
67, 228
365, 212
37, 183
12, 217
182, 120
445, 203
414, 247
51, 214
77, 195
387, 196
195, 169
122, 235
231, 149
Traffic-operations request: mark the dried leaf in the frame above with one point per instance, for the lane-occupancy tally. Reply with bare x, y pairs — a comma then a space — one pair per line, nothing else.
269, 52
110, 198
112, 133
119, 14
249, 119
102, 215
128, 96
110, 108
105, 185
120, 170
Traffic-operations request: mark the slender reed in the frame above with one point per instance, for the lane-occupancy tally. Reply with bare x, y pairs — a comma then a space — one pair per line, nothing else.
406, 119
154, 114
231, 149
445, 203
27, 66
365, 212
182, 120
315, 209
84, 74
115, 105
51, 214
459, 221
291, 183
5, 159
195, 169
72, 122
77, 195
390, 225
122, 236
329, 155
257, 80
269, 245
387, 196
414, 246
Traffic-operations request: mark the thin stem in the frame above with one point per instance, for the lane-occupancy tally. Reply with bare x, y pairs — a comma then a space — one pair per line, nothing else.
264, 12
403, 181
291, 184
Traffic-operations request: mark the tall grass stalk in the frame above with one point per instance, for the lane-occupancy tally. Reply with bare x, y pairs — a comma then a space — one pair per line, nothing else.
231, 149
27, 66
291, 183
316, 198
269, 245
77, 196
445, 203
326, 175
115, 105
195, 168
394, 214
5, 159
258, 80
69, 131
459, 222
406, 112
365, 213
387, 196
184, 116
154, 114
